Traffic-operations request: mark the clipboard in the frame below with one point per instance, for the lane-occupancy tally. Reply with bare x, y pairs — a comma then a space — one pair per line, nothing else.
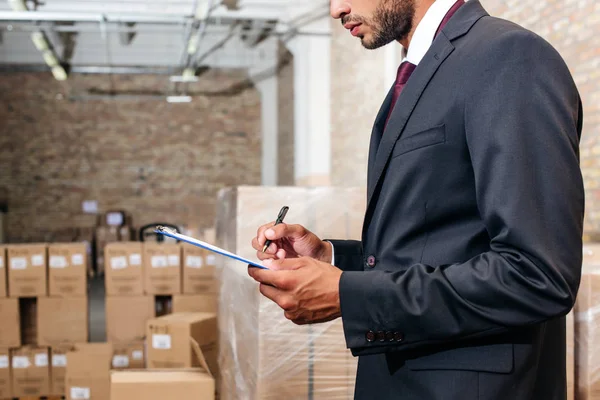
198, 243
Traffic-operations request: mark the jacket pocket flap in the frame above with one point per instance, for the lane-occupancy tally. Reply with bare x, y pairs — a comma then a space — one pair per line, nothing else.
419, 140
497, 358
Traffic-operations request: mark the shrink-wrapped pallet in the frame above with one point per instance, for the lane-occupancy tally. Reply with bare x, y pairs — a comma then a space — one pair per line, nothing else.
262, 354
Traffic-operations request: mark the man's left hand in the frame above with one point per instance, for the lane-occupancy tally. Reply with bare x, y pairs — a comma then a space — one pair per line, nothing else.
305, 288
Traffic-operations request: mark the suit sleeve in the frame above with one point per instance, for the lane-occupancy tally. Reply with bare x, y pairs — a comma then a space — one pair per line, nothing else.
522, 124
348, 254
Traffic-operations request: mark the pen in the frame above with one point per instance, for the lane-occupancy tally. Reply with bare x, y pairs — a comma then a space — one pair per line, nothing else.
279, 220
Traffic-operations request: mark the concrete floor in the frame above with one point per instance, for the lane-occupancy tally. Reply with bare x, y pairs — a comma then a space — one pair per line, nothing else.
97, 315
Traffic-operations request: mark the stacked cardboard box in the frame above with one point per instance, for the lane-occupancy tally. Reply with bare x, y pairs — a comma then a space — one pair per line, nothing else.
262, 354
127, 306
87, 375
113, 226
47, 285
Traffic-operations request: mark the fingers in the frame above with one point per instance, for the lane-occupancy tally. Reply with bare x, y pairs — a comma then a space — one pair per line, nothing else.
284, 263
278, 279
276, 232
260, 236
269, 254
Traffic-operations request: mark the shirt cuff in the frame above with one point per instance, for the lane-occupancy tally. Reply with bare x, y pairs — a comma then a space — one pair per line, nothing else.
332, 253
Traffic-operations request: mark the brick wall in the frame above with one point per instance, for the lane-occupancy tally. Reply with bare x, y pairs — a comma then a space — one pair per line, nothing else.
160, 161
572, 27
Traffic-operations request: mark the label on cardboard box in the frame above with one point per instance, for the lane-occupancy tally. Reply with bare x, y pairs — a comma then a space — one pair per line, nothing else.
173, 261
137, 354
193, 262
118, 262
114, 219
79, 393
41, 360
4, 362
211, 259
120, 361
20, 362
59, 360
159, 261
37, 260
58, 262
162, 342
135, 259
1, 262
77, 259
18, 263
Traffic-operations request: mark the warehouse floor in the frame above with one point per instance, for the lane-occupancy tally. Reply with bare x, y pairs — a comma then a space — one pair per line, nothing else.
97, 315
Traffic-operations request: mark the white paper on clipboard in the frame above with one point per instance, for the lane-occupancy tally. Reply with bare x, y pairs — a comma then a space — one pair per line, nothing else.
207, 246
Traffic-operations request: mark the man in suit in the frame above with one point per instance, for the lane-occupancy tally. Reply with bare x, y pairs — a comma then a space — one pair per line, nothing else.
471, 247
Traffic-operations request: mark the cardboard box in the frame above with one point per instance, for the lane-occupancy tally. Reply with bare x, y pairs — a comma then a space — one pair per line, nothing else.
88, 372
62, 320
169, 344
27, 270
161, 385
30, 371
129, 356
28, 317
274, 355
3, 274
195, 303
162, 268
10, 332
58, 369
124, 273
126, 318
67, 273
199, 270
5, 375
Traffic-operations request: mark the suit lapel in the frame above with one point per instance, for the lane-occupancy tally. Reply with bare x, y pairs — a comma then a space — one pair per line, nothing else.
440, 49
378, 129
404, 107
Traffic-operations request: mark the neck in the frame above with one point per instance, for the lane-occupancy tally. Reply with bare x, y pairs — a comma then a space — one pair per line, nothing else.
421, 8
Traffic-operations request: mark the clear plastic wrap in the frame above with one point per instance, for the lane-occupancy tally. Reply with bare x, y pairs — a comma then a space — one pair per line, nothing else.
262, 354
587, 334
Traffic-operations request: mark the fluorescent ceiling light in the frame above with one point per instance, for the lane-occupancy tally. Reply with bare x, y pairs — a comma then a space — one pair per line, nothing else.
18, 5
202, 9
39, 40
50, 59
179, 99
59, 73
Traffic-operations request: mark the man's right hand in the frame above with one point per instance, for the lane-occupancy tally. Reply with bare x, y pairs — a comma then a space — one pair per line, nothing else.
290, 241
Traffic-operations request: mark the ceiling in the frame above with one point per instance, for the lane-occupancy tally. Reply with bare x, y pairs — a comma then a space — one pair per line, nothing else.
175, 37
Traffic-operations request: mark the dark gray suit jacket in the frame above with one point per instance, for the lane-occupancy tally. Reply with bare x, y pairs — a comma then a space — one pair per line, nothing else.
471, 249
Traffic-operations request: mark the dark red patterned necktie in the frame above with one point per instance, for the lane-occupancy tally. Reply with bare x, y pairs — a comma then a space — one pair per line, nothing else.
406, 68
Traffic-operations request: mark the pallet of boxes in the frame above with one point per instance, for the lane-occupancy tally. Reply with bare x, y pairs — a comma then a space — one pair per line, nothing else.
44, 314
262, 354
161, 298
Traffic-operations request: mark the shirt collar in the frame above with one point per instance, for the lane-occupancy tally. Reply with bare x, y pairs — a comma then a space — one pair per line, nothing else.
425, 31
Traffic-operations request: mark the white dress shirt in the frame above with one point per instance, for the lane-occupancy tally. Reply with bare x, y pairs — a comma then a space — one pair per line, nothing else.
420, 43
425, 31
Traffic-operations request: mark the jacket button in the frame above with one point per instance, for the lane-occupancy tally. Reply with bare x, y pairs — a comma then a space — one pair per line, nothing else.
371, 261
398, 337
370, 336
381, 336
389, 336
